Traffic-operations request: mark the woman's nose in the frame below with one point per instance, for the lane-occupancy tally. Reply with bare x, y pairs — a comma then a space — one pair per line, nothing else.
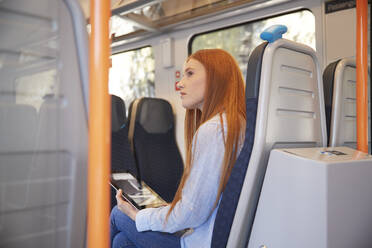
179, 85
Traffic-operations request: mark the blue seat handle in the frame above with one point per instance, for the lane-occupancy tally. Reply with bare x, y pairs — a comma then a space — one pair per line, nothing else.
273, 33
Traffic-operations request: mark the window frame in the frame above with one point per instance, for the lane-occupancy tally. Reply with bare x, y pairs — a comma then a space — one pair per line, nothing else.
191, 40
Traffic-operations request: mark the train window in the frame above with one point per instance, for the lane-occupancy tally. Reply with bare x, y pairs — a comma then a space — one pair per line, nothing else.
33, 89
132, 74
242, 39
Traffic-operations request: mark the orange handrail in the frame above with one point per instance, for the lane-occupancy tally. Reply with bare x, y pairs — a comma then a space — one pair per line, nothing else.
99, 127
362, 73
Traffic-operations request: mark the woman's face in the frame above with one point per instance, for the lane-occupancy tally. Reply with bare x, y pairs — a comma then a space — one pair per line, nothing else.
193, 84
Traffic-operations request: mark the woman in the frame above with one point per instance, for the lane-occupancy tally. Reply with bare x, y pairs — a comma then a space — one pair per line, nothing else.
212, 91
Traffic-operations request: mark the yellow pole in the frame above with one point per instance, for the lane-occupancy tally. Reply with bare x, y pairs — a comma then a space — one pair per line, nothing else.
99, 127
362, 74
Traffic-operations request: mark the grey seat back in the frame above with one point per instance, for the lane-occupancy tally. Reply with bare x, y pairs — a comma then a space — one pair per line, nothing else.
290, 113
43, 163
339, 80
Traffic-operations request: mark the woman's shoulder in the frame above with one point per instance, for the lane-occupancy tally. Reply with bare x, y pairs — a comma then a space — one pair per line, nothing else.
209, 135
215, 121
212, 126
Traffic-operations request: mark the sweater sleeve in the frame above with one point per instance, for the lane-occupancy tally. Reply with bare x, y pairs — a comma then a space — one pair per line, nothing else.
200, 191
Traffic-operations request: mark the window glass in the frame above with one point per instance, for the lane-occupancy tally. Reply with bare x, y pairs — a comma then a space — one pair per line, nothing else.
240, 40
132, 75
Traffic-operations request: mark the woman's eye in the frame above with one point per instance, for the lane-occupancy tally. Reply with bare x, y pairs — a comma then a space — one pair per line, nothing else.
189, 73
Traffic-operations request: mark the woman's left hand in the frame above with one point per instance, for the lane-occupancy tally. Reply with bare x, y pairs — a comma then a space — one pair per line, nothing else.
125, 207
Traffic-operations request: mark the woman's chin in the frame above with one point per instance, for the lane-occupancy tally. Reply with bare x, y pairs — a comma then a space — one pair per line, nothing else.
188, 106
192, 105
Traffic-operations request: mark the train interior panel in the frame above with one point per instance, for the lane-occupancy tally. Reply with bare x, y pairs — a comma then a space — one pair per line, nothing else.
302, 178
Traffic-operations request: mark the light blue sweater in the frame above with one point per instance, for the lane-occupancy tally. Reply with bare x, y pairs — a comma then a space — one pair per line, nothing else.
195, 209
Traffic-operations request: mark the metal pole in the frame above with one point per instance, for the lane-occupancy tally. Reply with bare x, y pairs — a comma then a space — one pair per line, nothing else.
362, 75
99, 127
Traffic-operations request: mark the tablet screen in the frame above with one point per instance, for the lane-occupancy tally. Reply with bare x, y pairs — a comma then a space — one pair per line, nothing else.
125, 196
140, 195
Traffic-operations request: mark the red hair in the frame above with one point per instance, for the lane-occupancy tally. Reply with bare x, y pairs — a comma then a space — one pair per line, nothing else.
224, 94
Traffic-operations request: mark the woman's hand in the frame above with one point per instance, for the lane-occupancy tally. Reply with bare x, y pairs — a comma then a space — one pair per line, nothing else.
125, 207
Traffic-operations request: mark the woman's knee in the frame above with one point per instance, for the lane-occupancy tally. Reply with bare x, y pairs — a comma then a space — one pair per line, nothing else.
114, 211
113, 214
121, 241
120, 221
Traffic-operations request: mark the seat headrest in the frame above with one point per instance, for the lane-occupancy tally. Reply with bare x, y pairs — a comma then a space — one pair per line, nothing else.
155, 115
118, 116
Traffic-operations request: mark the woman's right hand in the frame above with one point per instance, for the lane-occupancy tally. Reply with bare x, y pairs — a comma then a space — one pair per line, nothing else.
125, 207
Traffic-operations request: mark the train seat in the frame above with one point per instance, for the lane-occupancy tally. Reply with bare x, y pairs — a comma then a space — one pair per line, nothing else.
119, 115
122, 159
339, 79
284, 99
152, 135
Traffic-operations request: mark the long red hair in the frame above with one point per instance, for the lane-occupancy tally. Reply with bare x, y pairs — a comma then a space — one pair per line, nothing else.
224, 94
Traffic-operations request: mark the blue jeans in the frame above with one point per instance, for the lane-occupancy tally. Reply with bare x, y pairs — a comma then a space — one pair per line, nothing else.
124, 233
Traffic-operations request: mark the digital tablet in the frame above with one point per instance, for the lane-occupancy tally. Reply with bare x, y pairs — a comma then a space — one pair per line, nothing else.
140, 195
126, 197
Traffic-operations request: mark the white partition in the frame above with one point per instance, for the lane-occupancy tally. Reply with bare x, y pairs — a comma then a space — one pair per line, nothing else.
43, 125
